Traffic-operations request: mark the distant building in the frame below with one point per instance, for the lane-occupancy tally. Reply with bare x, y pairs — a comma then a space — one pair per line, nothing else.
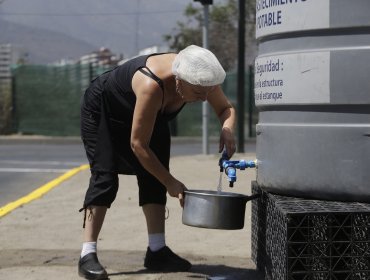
64, 62
5, 57
149, 50
9, 55
102, 57
154, 49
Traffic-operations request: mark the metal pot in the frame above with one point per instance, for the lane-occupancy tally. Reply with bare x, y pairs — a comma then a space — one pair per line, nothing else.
211, 209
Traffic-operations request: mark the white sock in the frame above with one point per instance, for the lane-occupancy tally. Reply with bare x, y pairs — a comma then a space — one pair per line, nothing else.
87, 248
156, 241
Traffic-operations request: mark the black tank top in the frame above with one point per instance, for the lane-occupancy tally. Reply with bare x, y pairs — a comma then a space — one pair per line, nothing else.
116, 103
120, 87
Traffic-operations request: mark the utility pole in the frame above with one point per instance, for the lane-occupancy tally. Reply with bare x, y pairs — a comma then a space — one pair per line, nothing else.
205, 110
241, 75
137, 27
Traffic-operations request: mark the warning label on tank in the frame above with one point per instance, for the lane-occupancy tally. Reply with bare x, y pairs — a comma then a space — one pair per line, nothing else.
279, 16
299, 78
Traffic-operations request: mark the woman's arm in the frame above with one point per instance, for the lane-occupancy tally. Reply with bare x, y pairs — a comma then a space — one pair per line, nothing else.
148, 104
227, 117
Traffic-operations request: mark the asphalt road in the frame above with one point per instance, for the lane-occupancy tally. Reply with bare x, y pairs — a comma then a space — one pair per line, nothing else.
26, 164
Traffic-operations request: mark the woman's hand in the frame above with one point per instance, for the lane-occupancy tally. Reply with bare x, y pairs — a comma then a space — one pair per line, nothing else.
227, 140
176, 189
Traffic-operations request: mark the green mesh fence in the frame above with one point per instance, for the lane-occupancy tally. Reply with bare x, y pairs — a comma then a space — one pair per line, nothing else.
47, 101
47, 98
6, 104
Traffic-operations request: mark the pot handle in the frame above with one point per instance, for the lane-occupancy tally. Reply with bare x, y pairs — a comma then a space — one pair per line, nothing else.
251, 197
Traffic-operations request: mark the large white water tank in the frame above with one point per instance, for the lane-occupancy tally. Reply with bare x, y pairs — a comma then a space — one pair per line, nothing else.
312, 89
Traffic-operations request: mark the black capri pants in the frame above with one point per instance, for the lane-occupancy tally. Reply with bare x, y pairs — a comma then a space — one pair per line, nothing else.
104, 182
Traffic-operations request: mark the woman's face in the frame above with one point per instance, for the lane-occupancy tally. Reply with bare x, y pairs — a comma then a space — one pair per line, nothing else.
192, 93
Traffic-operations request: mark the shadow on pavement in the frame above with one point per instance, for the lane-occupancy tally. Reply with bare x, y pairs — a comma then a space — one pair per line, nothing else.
202, 271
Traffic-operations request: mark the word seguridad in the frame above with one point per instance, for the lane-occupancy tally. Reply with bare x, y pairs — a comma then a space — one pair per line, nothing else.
269, 66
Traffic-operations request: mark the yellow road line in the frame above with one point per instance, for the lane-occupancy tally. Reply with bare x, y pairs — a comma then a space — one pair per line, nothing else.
40, 191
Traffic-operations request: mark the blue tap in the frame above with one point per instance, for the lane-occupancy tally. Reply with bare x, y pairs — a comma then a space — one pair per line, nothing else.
230, 166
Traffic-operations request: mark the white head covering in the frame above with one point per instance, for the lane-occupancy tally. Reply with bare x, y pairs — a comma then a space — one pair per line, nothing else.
198, 66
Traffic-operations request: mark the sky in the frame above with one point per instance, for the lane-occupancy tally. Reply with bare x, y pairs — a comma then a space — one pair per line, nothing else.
124, 26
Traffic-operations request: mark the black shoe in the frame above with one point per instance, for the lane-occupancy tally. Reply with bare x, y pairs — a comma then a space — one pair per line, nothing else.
90, 268
165, 260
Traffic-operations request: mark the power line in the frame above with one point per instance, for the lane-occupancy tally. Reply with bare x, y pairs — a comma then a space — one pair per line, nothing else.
91, 14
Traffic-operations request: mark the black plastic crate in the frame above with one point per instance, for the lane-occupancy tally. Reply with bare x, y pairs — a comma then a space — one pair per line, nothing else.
301, 239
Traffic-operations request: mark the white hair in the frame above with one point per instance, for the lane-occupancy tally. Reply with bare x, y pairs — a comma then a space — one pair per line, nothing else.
198, 66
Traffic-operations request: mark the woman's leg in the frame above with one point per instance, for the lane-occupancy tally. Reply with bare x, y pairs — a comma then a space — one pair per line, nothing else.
155, 220
154, 215
161, 258
94, 221
102, 191
89, 266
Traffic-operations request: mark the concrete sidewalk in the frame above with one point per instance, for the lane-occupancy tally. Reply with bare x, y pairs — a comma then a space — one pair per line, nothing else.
42, 239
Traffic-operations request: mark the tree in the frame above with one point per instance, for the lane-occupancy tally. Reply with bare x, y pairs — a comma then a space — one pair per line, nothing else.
223, 30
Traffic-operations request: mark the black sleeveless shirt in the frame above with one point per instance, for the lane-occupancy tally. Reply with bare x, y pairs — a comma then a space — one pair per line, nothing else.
121, 95
113, 103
